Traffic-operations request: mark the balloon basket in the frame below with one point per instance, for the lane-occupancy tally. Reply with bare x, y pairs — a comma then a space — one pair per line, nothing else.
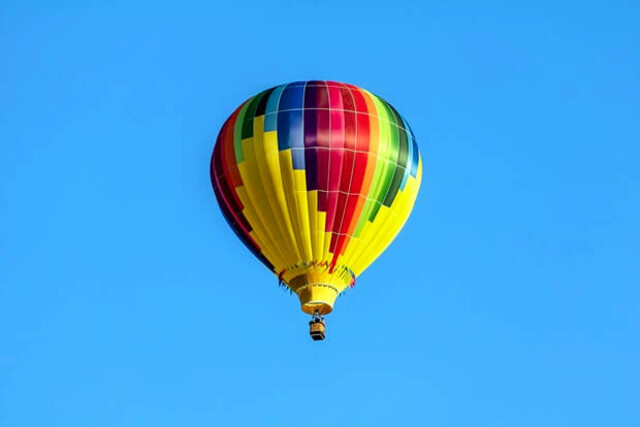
317, 330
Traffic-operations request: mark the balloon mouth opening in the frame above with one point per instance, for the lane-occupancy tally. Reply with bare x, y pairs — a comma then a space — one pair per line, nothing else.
317, 297
317, 306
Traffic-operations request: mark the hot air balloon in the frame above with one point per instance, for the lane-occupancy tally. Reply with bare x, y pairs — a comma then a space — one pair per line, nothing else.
316, 178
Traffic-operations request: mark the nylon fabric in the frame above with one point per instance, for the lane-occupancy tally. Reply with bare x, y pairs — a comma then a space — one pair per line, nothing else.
316, 178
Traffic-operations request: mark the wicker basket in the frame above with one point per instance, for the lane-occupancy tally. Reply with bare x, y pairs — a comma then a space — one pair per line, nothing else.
316, 330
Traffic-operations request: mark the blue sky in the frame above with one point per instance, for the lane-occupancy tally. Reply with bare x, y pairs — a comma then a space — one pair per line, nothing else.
511, 298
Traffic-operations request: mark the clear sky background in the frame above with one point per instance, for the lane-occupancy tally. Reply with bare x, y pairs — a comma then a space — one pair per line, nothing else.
511, 298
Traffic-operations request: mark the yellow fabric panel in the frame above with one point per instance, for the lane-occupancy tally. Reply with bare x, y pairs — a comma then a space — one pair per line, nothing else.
315, 237
259, 232
301, 233
391, 223
300, 194
249, 171
266, 154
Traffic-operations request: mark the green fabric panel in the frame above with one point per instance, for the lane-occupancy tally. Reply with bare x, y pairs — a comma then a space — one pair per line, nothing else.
401, 159
370, 203
237, 132
247, 123
388, 143
391, 157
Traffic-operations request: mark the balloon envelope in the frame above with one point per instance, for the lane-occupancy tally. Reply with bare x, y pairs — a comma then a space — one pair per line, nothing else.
316, 178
